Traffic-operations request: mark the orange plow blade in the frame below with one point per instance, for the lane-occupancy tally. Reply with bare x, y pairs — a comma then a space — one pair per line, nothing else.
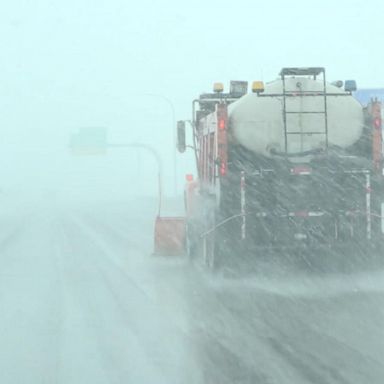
169, 236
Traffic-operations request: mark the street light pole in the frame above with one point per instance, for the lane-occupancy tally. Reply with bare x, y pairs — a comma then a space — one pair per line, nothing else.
157, 157
170, 103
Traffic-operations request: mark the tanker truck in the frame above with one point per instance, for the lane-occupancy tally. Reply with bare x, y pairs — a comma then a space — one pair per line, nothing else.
294, 165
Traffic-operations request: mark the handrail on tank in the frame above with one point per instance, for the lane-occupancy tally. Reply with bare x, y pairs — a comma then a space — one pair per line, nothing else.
304, 71
306, 93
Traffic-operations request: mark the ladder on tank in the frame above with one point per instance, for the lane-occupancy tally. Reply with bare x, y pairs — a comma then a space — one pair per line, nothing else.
312, 72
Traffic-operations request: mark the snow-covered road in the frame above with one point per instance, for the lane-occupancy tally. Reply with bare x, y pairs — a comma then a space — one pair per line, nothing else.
82, 300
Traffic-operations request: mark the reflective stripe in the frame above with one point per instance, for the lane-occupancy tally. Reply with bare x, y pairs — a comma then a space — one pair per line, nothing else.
242, 202
368, 204
306, 214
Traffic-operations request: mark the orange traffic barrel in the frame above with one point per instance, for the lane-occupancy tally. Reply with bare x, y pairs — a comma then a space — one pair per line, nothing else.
169, 235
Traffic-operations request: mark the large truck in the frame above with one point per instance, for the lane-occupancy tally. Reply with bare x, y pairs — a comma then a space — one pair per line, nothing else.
295, 165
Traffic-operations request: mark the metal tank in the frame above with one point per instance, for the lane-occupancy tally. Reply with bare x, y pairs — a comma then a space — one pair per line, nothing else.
314, 119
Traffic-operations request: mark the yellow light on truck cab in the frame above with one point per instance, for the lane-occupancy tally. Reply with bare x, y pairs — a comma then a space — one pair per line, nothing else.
218, 87
257, 87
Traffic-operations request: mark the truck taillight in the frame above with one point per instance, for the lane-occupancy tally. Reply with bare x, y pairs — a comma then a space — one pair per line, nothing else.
377, 140
222, 116
301, 170
223, 168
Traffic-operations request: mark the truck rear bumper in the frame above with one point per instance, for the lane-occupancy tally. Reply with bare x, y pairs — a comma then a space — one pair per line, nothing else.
338, 258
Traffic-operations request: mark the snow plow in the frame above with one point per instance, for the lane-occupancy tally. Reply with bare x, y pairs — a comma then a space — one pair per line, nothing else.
295, 165
169, 236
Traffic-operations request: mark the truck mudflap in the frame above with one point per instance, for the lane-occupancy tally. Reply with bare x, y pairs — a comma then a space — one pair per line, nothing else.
282, 240
285, 259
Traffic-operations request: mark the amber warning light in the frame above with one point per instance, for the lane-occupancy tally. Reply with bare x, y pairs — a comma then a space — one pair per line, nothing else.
218, 87
257, 87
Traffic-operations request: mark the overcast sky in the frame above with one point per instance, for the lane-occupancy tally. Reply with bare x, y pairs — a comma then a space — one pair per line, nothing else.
75, 63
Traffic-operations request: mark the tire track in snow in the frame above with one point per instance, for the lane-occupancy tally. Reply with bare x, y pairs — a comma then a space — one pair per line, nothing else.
119, 312
286, 337
214, 340
31, 311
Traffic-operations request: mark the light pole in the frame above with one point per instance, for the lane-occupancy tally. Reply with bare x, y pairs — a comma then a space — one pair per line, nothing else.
170, 103
157, 157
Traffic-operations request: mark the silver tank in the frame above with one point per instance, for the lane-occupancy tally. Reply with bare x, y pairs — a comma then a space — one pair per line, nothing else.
257, 123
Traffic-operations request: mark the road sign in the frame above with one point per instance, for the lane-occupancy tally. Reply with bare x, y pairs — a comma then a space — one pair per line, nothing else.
89, 141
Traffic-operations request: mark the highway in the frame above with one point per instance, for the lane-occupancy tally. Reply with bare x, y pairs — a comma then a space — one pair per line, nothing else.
83, 300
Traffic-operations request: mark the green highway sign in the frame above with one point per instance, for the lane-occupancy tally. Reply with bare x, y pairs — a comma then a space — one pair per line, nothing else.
89, 141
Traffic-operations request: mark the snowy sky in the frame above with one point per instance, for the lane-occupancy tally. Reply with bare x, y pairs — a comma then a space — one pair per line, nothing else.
125, 65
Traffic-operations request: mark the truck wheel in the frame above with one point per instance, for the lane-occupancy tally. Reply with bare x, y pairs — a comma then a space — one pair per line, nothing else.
209, 251
191, 243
